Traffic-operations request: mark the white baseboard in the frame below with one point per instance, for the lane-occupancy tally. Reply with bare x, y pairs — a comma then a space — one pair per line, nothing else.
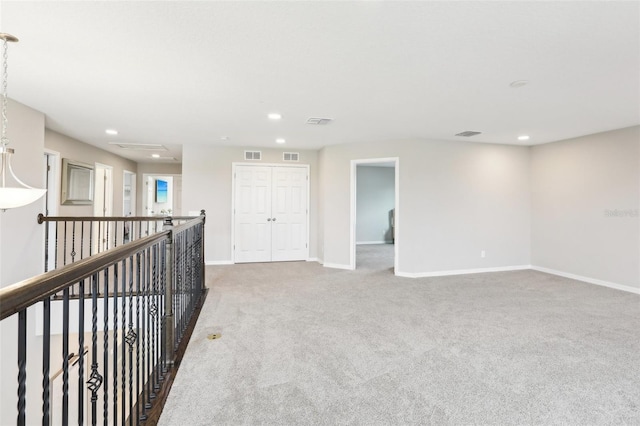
461, 271
587, 279
218, 262
336, 266
313, 259
364, 243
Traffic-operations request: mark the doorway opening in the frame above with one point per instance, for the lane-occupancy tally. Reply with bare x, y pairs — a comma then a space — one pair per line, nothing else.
128, 193
374, 214
162, 195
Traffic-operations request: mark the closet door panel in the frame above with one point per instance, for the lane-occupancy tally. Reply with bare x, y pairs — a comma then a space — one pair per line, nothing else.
253, 214
290, 213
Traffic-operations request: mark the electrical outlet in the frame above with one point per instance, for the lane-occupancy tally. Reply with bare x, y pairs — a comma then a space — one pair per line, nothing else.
483, 253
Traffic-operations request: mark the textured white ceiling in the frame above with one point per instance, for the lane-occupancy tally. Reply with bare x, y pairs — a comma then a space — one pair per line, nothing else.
180, 72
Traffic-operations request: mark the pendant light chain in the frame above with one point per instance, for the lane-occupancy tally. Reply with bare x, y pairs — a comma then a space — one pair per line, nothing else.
5, 76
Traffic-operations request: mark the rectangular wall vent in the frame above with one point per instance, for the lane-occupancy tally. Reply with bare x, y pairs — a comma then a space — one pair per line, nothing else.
468, 133
253, 155
319, 121
290, 156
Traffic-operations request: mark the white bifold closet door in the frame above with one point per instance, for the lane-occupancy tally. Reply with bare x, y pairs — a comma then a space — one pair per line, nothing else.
270, 216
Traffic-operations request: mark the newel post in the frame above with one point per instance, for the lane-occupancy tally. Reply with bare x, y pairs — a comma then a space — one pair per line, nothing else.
168, 293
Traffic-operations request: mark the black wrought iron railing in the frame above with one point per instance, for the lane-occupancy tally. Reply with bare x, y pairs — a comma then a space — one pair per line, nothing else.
72, 238
108, 354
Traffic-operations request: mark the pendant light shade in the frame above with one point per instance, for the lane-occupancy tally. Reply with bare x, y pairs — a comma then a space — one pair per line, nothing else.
11, 196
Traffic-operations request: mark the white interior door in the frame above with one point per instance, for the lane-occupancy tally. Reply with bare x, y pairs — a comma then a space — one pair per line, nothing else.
270, 218
253, 214
128, 194
289, 214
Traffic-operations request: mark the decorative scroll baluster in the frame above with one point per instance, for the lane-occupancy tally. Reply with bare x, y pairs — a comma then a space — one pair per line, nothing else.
139, 259
99, 237
22, 367
131, 339
115, 343
105, 347
81, 351
95, 379
46, 360
107, 228
64, 245
155, 329
124, 334
82, 240
55, 250
65, 356
142, 293
73, 241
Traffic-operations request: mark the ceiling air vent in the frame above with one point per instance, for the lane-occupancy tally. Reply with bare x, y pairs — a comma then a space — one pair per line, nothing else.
253, 155
468, 133
319, 121
139, 146
290, 156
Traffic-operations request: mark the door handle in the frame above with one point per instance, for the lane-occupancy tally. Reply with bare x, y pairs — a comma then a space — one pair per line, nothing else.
274, 219
269, 219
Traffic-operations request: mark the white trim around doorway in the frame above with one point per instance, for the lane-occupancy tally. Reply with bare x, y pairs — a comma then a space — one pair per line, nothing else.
396, 217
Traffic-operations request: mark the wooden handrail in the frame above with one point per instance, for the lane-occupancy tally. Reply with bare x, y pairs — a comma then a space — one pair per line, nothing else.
42, 218
23, 294
183, 226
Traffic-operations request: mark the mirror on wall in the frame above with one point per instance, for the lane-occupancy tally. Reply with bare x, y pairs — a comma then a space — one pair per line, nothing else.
77, 183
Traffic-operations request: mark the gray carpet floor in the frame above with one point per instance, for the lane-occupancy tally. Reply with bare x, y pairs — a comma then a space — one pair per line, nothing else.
307, 345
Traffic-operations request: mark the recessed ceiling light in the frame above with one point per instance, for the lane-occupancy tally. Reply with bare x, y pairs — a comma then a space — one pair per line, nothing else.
155, 155
523, 138
224, 138
111, 132
274, 116
518, 83
280, 141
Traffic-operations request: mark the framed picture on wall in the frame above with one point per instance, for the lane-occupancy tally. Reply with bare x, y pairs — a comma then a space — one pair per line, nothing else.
161, 191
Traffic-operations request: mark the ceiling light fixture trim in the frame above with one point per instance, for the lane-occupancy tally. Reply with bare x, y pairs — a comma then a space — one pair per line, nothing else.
468, 133
518, 83
319, 121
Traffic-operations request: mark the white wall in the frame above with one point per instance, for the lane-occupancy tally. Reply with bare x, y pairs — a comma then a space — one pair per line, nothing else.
21, 256
74, 149
206, 184
456, 199
375, 199
585, 206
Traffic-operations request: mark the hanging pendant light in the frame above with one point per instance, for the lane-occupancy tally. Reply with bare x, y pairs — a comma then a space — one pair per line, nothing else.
11, 196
